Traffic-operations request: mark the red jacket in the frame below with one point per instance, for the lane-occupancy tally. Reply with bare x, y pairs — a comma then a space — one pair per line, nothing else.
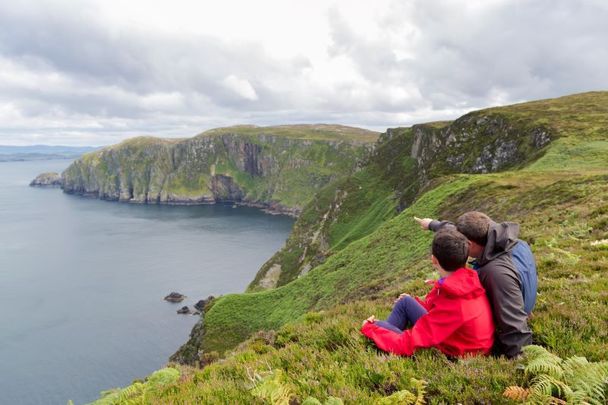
459, 320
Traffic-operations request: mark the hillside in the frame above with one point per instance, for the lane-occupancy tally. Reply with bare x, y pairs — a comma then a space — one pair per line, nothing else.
279, 168
355, 247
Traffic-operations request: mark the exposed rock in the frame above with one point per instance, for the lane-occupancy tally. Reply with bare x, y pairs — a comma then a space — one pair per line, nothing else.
183, 310
175, 297
224, 188
271, 278
475, 143
305, 269
50, 179
201, 304
190, 352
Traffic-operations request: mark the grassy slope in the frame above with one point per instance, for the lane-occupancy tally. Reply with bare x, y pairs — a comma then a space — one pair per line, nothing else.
345, 210
565, 217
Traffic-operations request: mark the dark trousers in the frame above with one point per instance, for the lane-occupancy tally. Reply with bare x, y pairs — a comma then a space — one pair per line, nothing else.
404, 315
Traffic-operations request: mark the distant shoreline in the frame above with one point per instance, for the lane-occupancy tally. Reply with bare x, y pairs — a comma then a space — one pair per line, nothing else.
19, 158
9, 153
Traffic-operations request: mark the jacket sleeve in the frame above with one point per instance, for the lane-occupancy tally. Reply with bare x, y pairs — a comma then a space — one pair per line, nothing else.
512, 331
430, 330
437, 225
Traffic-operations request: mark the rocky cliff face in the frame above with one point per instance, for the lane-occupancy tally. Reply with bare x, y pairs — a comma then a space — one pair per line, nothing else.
478, 142
253, 166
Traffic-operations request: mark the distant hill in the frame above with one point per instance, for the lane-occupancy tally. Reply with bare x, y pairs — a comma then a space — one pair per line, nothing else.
41, 152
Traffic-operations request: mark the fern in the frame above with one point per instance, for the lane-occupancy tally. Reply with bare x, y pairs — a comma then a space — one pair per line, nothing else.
420, 386
541, 361
405, 397
548, 385
135, 394
588, 380
329, 401
273, 389
400, 397
516, 393
556, 381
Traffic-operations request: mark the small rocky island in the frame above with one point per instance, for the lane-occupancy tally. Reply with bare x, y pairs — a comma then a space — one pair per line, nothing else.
50, 179
175, 297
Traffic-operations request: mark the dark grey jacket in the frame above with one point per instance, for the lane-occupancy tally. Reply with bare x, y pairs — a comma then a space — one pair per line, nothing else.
499, 276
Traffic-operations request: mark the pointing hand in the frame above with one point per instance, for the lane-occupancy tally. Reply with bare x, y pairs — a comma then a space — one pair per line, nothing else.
423, 222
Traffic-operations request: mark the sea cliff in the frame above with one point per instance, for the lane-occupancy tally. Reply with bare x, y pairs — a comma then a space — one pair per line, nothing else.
276, 168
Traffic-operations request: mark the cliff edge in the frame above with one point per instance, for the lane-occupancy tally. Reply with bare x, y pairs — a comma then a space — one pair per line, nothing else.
277, 168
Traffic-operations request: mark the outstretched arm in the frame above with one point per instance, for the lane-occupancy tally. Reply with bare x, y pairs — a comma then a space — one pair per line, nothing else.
432, 224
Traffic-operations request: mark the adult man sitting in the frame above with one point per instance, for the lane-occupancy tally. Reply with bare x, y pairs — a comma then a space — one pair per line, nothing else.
507, 271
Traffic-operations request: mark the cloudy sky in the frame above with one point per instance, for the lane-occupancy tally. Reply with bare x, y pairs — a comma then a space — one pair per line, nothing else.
95, 72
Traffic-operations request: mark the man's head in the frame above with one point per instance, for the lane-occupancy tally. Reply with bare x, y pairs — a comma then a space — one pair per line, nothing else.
474, 225
450, 250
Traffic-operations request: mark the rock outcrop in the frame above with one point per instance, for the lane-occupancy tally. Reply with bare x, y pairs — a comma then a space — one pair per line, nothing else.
184, 310
478, 142
50, 179
275, 168
175, 297
201, 305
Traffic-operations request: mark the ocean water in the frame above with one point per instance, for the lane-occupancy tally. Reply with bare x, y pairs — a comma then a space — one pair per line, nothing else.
82, 283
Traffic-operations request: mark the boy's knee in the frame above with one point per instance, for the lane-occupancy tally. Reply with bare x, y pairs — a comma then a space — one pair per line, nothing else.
405, 302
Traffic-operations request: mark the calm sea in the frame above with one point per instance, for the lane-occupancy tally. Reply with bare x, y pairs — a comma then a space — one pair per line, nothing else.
82, 283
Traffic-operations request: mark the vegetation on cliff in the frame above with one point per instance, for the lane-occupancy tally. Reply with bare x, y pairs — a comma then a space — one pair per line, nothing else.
301, 337
274, 167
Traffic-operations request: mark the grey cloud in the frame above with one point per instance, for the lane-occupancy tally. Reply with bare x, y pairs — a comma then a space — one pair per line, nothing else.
465, 55
75, 43
433, 60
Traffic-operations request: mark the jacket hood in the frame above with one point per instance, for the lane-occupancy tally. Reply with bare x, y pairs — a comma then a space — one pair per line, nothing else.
462, 283
501, 239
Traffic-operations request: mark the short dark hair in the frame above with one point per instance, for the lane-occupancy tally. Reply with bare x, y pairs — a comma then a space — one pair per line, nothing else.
474, 225
451, 249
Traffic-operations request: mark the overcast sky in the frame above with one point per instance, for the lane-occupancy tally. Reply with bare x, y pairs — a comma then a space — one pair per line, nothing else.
95, 72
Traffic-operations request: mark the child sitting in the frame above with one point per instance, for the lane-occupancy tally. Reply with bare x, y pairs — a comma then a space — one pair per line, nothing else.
455, 316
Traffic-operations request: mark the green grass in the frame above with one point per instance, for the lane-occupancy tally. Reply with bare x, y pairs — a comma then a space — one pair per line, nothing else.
349, 274
312, 132
322, 354
583, 116
569, 154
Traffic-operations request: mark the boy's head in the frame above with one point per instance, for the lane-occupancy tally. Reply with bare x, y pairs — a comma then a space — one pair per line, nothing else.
450, 249
475, 226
